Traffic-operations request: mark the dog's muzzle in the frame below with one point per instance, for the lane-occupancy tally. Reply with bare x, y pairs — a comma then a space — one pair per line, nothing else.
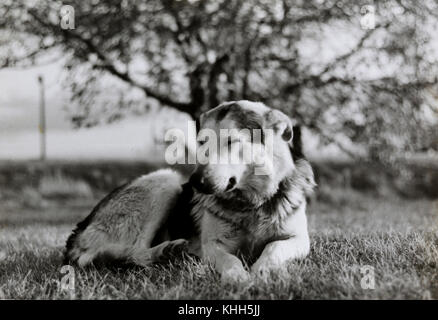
201, 184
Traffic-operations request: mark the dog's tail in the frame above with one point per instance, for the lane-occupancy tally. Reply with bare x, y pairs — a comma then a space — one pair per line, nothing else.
117, 255
114, 256
110, 255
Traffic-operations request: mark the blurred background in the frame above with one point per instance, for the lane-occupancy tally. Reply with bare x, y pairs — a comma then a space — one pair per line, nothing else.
88, 88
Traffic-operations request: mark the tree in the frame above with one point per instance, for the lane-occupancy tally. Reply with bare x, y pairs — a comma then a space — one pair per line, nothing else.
191, 55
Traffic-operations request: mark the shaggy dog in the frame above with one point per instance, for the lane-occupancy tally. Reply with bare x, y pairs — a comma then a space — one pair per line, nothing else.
238, 216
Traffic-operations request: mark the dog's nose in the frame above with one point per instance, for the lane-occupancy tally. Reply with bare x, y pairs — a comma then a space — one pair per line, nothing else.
198, 181
231, 183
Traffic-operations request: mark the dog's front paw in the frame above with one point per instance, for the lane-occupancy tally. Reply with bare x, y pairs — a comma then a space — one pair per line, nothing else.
262, 269
235, 274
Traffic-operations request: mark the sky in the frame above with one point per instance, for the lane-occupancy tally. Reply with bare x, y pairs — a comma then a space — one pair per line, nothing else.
19, 98
130, 138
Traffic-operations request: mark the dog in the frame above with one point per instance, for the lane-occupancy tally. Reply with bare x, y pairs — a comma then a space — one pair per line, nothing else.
244, 218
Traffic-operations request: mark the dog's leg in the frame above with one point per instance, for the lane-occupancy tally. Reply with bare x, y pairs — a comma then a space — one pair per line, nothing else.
218, 245
228, 265
277, 253
144, 257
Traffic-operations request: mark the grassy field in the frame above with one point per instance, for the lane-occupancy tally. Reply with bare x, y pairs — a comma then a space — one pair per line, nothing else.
349, 231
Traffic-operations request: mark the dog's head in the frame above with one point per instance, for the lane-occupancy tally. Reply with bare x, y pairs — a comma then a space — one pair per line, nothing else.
251, 154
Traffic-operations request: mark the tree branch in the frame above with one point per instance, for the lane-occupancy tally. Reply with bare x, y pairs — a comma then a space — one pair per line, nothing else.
108, 66
12, 62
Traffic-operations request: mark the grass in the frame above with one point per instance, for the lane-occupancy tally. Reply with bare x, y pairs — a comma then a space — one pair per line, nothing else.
349, 230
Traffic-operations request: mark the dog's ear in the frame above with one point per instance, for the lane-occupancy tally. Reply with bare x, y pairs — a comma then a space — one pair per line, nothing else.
198, 121
280, 123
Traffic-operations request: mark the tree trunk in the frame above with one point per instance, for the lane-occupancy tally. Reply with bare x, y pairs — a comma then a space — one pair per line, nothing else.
216, 69
197, 95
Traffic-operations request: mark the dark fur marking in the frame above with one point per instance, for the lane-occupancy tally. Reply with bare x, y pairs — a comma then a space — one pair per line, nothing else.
247, 119
236, 203
228, 220
239, 203
281, 195
223, 111
250, 251
180, 224
81, 226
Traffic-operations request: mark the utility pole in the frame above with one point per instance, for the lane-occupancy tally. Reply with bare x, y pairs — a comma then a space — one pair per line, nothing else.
42, 124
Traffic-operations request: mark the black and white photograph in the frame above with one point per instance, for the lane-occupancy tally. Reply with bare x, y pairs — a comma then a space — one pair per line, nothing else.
223, 150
